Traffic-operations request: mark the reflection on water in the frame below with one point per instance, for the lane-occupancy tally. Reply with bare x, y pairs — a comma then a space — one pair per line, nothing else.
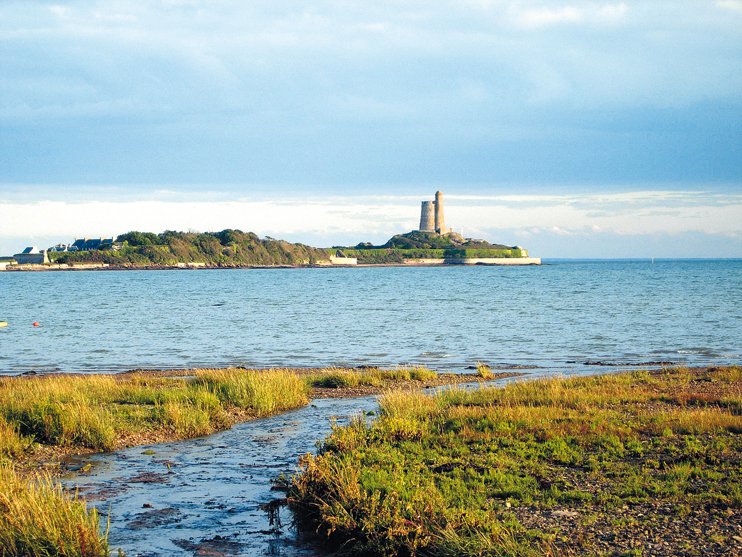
446, 318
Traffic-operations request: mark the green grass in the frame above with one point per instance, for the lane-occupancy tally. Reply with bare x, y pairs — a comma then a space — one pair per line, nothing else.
443, 475
37, 519
342, 378
397, 255
95, 411
99, 411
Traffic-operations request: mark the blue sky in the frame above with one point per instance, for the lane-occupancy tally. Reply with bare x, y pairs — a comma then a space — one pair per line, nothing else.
576, 129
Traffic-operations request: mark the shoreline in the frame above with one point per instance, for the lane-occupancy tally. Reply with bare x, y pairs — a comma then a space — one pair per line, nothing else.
57, 459
503, 262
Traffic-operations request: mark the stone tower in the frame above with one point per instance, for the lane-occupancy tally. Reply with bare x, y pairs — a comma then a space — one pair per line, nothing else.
427, 217
440, 222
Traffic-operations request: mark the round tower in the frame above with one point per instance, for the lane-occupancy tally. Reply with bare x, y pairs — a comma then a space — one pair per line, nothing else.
427, 217
440, 222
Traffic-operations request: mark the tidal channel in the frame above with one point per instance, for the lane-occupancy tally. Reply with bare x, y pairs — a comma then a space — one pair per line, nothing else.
203, 496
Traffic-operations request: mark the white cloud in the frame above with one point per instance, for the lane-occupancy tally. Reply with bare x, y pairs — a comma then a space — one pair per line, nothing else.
731, 4
613, 12
560, 231
588, 13
358, 219
60, 11
545, 16
287, 217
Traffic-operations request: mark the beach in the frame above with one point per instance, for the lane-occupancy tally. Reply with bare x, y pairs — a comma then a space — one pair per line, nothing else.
642, 461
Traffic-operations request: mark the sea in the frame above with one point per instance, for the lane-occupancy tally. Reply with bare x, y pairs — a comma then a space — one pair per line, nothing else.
563, 317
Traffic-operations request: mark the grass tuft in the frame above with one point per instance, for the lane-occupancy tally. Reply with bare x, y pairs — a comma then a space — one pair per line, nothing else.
12, 443
483, 370
38, 519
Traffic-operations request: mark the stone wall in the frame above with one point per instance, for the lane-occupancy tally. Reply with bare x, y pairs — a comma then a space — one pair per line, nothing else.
477, 261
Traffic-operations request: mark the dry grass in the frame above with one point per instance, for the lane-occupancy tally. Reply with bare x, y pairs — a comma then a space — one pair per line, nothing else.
38, 519
97, 412
12, 444
483, 370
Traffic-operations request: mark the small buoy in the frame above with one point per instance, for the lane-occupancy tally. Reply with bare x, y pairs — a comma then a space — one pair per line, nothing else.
36, 324
3, 323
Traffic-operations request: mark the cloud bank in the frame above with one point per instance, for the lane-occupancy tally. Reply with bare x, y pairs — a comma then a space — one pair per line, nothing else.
698, 224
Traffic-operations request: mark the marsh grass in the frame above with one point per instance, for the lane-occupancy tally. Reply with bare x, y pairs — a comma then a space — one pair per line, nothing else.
12, 444
99, 412
334, 378
37, 519
483, 370
437, 474
95, 411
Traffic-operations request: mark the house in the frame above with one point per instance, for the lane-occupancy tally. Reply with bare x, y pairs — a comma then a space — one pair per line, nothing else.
341, 259
90, 244
32, 256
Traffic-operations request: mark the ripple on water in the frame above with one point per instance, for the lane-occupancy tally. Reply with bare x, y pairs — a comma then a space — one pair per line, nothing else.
290, 317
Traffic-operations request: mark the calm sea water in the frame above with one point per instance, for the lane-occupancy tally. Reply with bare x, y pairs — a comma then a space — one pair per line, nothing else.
557, 317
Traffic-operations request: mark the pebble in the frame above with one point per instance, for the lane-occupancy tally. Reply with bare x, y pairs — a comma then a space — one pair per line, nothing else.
565, 514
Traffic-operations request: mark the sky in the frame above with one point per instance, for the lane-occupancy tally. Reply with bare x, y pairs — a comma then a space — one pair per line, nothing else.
574, 129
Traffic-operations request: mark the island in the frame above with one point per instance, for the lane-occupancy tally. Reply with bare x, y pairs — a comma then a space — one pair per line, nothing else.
431, 244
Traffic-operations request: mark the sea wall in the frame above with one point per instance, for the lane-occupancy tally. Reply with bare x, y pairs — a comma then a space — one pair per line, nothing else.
477, 261
55, 266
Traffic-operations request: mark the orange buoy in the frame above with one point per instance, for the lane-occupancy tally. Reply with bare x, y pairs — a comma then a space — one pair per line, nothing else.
36, 324
3, 323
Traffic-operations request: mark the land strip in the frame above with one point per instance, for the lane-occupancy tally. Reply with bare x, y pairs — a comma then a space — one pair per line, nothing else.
639, 463
73, 267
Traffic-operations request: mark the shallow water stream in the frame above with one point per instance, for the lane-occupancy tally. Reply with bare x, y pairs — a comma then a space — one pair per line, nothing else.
205, 494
